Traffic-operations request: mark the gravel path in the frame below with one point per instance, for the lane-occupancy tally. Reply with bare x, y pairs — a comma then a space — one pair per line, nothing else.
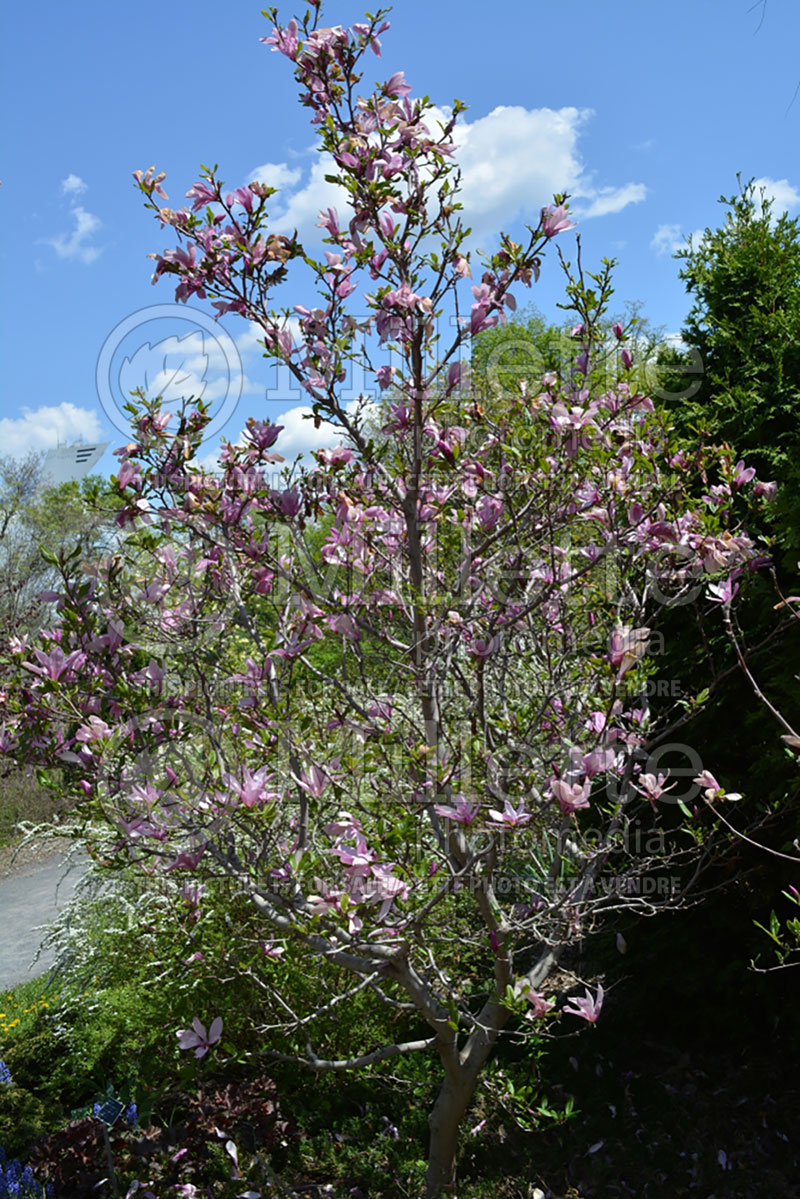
32, 889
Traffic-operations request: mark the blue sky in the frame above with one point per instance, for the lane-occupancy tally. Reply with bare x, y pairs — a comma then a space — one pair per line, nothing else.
644, 112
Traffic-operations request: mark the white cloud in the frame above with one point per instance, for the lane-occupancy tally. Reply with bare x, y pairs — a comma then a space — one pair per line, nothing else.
781, 192
668, 239
613, 199
512, 162
73, 185
276, 174
674, 341
299, 435
514, 159
252, 340
46, 427
301, 209
77, 243
298, 439
209, 464
783, 195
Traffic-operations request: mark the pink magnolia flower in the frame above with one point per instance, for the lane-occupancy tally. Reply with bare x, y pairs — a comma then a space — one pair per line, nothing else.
284, 40
129, 472
272, 950
712, 789
555, 219
327, 899
197, 1038
193, 894
343, 827
289, 502
53, 665
329, 219
462, 266
597, 761
510, 816
338, 456
384, 888
187, 859
489, 510
653, 787
252, 789
628, 645
463, 813
587, 1008
571, 797
261, 433
722, 593
384, 376
742, 475
706, 780
201, 194
358, 860
767, 490
396, 85
313, 780
93, 730
150, 182
539, 1005
482, 649
484, 299
393, 164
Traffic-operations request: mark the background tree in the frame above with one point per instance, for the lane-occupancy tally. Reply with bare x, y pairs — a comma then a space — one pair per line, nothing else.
518, 352
39, 523
737, 382
744, 281
743, 330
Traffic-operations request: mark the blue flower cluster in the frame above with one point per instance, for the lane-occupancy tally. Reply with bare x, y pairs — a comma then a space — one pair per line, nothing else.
5, 1073
17, 1182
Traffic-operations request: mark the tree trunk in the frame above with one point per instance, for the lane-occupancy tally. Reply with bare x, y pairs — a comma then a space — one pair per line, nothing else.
444, 1121
461, 1076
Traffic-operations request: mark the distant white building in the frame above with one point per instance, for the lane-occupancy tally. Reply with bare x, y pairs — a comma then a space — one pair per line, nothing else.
69, 462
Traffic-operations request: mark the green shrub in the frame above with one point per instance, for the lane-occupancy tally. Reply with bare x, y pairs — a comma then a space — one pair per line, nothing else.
23, 1118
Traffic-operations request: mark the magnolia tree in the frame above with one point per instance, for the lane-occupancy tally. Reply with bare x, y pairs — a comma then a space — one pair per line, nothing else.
396, 695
